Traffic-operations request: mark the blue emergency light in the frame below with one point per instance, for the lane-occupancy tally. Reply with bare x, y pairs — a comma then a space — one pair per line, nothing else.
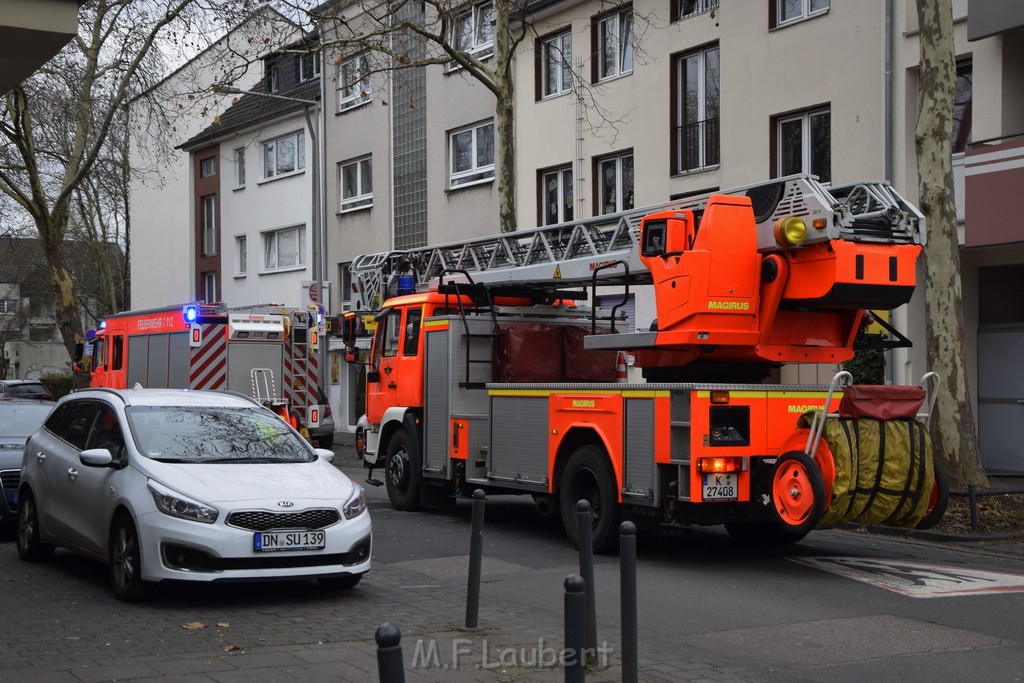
191, 313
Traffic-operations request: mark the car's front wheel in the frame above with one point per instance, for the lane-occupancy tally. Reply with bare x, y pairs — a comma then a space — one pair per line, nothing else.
125, 561
30, 548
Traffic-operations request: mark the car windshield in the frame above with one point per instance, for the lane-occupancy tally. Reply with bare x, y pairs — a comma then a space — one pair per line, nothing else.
215, 435
20, 420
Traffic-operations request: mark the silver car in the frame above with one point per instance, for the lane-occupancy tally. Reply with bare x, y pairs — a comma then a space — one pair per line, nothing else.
19, 419
177, 485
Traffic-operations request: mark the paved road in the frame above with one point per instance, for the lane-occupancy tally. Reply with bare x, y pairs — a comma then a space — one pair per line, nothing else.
708, 611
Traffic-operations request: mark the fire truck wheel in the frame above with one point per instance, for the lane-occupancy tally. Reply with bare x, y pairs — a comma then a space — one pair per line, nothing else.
588, 475
798, 493
402, 470
939, 499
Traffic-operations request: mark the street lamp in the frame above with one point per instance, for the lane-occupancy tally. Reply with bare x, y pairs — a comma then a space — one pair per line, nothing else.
315, 219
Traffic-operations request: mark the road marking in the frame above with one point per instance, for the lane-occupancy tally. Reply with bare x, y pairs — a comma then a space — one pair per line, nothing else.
917, 580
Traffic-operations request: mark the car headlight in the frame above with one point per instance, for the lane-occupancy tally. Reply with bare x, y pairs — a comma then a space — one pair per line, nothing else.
356, 503
176, 505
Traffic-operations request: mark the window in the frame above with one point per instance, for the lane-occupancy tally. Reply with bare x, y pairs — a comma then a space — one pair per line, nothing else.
697, 140
210, 287
556, 197
209, 225
471, 151
284, 249
309, 66
804, 144
473, 30
240, 166
208, 167
270, 77
241, 258
356, 184
8, 305
683, 9
789, 11
353, 82
556, 65
410, 346
286, 154
615, 183
962, 107
615, 45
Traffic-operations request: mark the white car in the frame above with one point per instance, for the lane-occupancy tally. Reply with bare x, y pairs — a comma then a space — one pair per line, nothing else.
165, 484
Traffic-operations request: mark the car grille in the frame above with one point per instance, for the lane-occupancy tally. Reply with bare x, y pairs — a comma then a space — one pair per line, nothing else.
9, 485
261, 520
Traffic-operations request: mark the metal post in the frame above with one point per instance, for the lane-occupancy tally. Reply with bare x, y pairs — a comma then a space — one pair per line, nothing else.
390, 667
575, 626
317, 249
583, 522
627, 591
476, 550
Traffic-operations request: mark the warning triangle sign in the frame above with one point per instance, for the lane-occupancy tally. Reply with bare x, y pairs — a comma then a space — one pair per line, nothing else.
558, 272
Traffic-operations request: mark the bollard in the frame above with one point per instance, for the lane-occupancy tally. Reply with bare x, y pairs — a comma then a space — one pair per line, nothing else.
583, 525
390, 667
476, 551
627, 589
575, 625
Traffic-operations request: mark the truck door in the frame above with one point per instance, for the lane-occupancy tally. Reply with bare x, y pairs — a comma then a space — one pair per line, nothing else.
398, 380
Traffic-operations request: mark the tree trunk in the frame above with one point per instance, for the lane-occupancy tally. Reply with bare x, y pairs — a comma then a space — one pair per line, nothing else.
954, 432
69, 321
505, 130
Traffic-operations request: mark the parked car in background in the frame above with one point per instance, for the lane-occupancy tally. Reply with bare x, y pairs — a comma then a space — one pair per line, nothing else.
177, 485
24, 388
19, 419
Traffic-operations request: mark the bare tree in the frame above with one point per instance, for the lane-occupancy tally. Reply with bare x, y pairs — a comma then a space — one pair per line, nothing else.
54, 127
954, 430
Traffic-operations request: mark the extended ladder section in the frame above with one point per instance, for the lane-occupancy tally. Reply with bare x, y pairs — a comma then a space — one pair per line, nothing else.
570, 252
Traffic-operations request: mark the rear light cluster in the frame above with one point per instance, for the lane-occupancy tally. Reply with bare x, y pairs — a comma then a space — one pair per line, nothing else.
721, 465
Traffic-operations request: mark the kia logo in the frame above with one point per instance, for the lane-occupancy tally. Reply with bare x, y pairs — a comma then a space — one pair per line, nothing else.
286, 504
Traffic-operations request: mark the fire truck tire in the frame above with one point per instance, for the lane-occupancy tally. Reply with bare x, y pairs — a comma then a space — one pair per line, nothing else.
798, 493
403, 474
939, 496
589, 475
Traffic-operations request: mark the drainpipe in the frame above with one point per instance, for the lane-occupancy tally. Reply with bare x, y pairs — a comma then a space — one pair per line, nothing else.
887, 152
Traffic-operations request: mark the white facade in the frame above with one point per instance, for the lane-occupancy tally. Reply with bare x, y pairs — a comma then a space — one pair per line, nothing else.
262, 216
160, 207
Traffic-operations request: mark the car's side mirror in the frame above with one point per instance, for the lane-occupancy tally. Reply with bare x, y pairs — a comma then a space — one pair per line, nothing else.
324, 454
373, 376
96, 457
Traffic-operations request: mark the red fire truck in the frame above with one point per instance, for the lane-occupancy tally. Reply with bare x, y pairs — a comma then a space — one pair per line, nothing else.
269, 352
483, 373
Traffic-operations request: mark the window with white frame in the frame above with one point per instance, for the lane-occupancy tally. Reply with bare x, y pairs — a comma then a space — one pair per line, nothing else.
615, 44
356, 178
241, 256
556, 195
789, 11
615, 183
353, 82
209, 225
208, 167
684, 9
271, 76
285, 154
239, 166
697, 141
804, 144
471, 154
556, 65
472, 30
210, 287
309, 66
284, 249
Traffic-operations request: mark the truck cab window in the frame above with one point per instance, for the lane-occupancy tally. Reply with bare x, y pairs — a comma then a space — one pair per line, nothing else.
117, 362
391, 326
412, 332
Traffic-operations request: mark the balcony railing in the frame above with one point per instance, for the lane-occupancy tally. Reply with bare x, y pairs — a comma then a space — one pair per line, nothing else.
698, 146
994, 174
